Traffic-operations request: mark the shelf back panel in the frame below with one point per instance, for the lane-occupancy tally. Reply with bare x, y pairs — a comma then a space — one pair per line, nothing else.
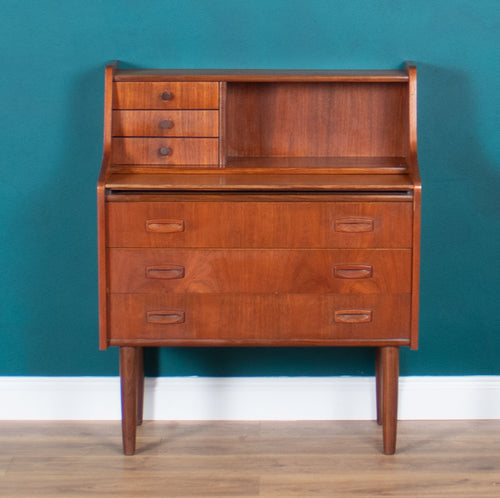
316, 119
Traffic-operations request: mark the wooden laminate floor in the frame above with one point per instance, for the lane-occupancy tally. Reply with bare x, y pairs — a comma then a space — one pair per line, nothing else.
248, 459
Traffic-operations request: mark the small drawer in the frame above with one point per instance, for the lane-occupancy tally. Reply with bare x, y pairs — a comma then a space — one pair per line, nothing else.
165, 123
258, 318
296, 271
166, 95
266, 224
169, 151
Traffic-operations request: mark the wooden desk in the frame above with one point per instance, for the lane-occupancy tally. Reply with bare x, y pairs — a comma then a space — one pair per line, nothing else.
259, 208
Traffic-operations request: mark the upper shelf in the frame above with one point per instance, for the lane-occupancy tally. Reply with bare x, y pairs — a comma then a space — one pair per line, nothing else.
262, 75
260, 129
331, 165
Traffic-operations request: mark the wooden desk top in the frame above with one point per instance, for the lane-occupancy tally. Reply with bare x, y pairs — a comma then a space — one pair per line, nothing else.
269, 174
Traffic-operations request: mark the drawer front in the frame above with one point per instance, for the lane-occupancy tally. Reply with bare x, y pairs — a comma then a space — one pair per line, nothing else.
166, 95
270, 224
259, 271
167, 151
165, 123
258, 317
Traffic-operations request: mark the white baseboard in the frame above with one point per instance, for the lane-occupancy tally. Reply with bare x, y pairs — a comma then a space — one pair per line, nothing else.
249, 398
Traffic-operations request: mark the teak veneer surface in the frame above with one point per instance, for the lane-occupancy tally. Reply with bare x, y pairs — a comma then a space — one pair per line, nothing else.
254, 180
145, 95
296, 271
318, 120
258, 319
139, 150
259, 208
167, 123
276, 223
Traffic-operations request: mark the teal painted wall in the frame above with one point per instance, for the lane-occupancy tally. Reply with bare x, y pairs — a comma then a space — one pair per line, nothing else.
51, 88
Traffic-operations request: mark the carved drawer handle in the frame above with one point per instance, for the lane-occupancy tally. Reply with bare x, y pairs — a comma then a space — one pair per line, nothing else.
354, 225
353, 271
164, 226
353, 316
165, 317
167, 96
165, 272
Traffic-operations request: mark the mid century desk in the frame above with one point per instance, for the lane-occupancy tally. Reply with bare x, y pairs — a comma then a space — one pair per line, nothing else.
259, 208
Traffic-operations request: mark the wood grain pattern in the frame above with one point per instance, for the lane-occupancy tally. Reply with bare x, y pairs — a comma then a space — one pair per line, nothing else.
165, 123
260, 224
266, 208
258, 271
332, 164
389, 358
167, 151
140, 384
130, 178
129, 392
417, 197
222, 123
300, 119
328, 459
140, 95
101, 202
378, 385
250, 318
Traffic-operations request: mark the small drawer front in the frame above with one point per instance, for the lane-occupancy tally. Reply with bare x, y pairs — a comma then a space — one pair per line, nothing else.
165, 123
259, 271
260, 224
258, 317
166, 95
166, 151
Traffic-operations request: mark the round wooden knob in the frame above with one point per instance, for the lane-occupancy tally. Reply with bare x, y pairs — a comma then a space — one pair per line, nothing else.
165, 151
167, 96
166, 124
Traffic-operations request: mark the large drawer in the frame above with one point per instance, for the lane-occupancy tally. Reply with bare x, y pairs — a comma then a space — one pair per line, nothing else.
259, 271
166, 95
173, 151
265, 224
165, 123
253, 317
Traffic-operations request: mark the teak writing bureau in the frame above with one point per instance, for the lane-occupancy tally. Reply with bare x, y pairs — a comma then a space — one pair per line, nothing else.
259, 208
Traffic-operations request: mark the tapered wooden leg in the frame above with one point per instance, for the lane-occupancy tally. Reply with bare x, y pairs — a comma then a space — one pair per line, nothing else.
128, 376
390, 380
379, 383
140, 384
